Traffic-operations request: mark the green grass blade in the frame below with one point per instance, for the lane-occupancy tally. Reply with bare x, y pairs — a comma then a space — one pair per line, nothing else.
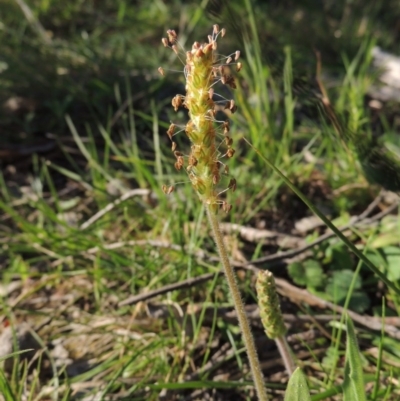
84, 150
5, 388
353, 386
16, 353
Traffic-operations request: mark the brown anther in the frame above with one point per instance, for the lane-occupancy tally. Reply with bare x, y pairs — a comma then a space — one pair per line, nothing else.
165, 42
223, 32
161, 71
232, 104
237, 55
177, 102
172, 36
173, 146
226, 169
226, 127
233, 109
230, 81
232, 184
175, 49
192, 161
211, 93
212, 113
215, 72
171, 32
223, 79
215, 178
199, 53
189, 56
221, 69
215, 29
226, 207
228, 60
208, 47
167, 190
230, 152
228, 141
178, 154
196, 46
227, 105
238, 66
179, 163
171, 131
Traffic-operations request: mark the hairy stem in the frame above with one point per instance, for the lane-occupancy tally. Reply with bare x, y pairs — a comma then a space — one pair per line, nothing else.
247, 336
286, 355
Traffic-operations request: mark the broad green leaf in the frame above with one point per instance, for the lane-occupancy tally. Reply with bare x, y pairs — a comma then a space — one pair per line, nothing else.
359, 301
353, 385
297, 272
297, 388
375, 257
341, 258
339, 284
308, 273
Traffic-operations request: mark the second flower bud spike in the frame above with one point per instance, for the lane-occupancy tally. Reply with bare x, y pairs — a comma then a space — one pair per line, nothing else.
268, 302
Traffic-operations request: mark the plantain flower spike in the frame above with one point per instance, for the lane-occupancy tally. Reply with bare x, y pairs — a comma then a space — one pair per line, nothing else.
203, 70
268, 302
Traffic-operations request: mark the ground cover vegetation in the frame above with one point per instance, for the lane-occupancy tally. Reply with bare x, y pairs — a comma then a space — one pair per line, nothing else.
111, 290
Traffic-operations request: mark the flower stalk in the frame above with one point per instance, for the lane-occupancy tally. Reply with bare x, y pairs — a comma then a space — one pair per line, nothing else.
203, 164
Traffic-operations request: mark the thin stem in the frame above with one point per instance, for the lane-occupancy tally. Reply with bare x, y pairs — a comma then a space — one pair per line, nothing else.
239, 306
284, 350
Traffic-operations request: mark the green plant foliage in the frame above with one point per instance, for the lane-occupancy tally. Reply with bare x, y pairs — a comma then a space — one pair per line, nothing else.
359, 301
5, 388
334, 284
66, 272
338, 257
331, 357
339, 283
297, 388
353, 386
308, 273
391, 348
338, 286
392, 257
